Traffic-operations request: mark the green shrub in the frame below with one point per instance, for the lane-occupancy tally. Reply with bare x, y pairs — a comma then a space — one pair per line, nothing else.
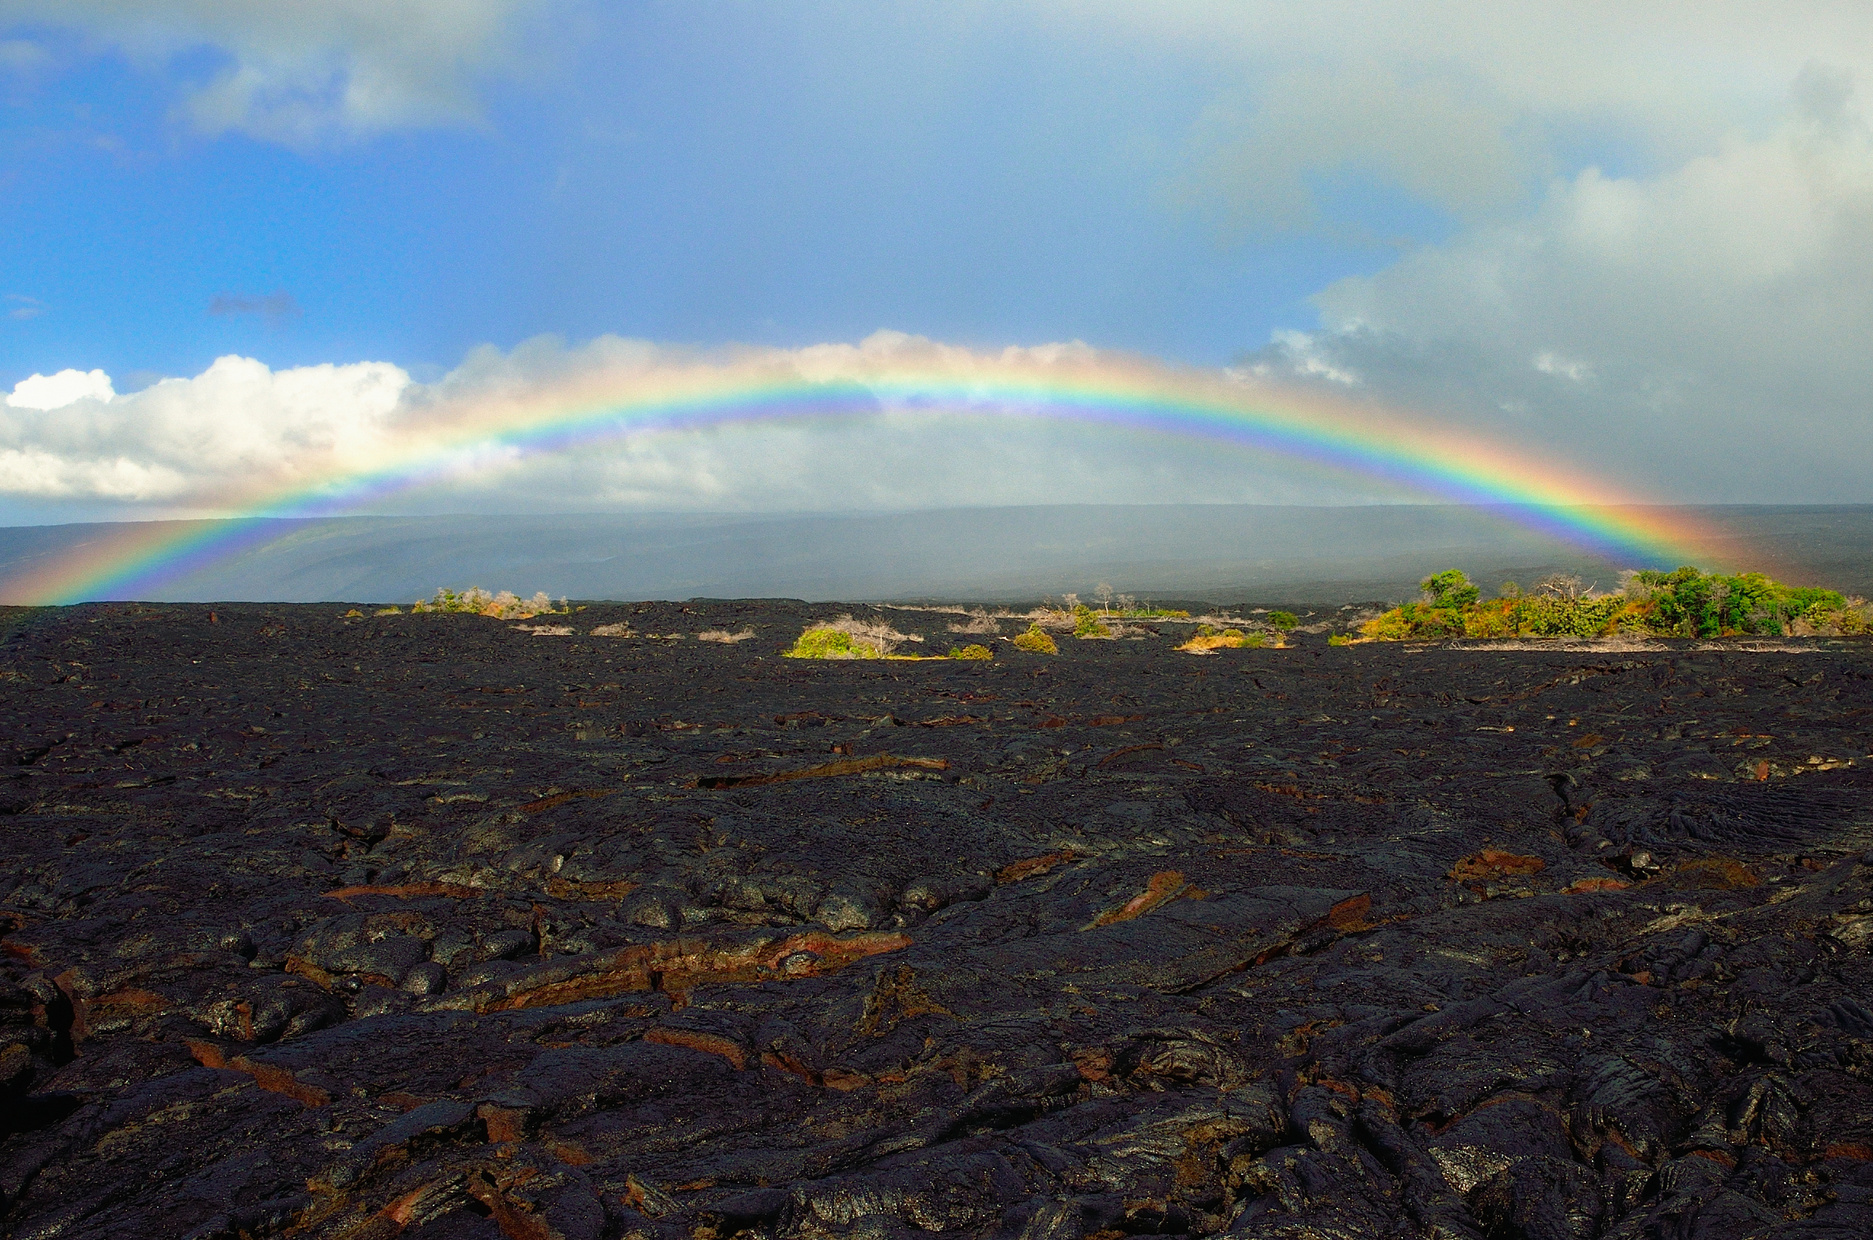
1283, 620
1339, 639
971, 651
849, 638
829, 644
1036, 641
1086, 623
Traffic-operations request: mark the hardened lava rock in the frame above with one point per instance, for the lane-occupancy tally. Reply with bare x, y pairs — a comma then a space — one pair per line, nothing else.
329, 925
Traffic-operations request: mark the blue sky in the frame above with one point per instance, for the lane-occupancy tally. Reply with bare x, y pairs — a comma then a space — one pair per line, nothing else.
1521, 219
676, 172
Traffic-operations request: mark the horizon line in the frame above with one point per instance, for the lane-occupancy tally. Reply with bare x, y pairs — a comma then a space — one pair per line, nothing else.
882, 512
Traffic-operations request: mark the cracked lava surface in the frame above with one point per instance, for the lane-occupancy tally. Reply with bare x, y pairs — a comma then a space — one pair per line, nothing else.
433, 926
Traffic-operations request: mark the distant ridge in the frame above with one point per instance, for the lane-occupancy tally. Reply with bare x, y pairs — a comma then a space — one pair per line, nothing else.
1218, 553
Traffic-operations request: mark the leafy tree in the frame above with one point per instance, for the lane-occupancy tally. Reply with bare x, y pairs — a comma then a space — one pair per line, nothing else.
1450, 588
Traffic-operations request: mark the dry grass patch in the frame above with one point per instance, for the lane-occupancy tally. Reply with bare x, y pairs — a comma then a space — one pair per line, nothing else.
723, 636
979, 621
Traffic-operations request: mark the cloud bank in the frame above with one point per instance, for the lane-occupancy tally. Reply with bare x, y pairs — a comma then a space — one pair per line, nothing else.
240, 433
301, 73
1707, 324
68, 436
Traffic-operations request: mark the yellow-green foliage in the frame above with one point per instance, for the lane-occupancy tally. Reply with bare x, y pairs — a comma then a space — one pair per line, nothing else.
1206, 639
971, 651
1684, 603
848, 638
831, 644
1339, 639
478, 602
1086, 623
1036, 641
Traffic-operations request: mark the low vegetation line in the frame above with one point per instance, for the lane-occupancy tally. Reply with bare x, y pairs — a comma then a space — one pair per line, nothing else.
476, 601
1686, 602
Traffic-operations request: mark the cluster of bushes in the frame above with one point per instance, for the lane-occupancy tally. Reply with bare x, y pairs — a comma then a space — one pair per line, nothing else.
503, 606
1684, 603
1695, 604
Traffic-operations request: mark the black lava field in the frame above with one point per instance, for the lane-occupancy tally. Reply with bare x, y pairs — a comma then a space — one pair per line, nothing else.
436, 926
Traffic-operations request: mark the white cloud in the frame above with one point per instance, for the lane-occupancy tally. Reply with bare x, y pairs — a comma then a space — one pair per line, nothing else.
240, 435
61, 389
191, 441
1700, 332
306, 72
1465, 106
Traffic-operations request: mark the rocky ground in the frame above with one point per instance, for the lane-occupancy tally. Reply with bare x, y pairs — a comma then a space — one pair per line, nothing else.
434, 926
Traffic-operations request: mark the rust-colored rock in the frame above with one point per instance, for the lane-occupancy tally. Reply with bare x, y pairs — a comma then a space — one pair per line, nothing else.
1582, 885
825, 770
407, 891
1350, 915
707, 1043
269, 1077
564, 798
1015, 871
1494, 865
1164, 887
681, 965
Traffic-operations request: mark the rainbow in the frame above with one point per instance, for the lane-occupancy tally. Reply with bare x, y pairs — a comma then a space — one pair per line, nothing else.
1093, 390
